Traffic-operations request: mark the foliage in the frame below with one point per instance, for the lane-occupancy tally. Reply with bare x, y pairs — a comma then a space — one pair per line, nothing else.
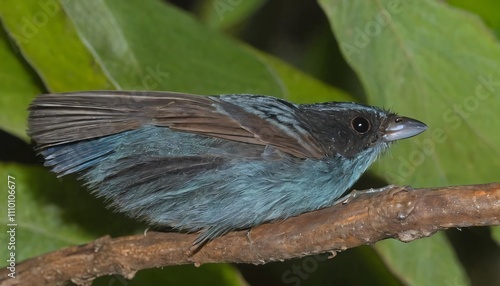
424, 59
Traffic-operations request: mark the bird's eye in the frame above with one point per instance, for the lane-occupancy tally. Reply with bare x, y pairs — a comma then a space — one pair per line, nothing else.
360, 125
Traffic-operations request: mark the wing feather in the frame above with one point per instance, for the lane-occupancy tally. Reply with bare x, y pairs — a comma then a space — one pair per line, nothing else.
57, 119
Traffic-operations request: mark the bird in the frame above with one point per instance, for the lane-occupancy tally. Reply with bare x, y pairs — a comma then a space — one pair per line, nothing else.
211, 164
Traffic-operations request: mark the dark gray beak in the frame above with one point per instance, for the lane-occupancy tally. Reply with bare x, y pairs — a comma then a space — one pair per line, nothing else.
403, 127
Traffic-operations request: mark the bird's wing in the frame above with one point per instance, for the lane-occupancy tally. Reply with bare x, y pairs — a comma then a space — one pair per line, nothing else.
57, 119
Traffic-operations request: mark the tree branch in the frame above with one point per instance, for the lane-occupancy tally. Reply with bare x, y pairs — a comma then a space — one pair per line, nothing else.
403, 214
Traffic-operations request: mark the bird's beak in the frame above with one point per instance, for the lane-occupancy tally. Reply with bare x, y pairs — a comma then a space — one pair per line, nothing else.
403, 127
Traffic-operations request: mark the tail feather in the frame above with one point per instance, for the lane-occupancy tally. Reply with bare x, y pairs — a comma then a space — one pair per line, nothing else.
58, 119
75, 157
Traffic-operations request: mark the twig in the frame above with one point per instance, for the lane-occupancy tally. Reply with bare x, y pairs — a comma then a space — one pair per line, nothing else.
403, 214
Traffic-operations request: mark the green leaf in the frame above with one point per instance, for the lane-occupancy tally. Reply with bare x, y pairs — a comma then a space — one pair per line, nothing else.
50, 44
17, 89
409, 62
224, 14
423, 262
41, 226
300, 87
486, 9
181, 56
410, 59
495, 234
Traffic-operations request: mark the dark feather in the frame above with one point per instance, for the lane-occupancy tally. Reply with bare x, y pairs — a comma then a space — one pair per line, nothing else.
57, 119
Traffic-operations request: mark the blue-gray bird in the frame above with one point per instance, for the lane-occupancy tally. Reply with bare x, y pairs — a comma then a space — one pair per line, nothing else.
211, 163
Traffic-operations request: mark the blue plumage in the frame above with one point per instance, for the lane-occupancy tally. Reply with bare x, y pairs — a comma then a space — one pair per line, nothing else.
195, 177
239, 192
